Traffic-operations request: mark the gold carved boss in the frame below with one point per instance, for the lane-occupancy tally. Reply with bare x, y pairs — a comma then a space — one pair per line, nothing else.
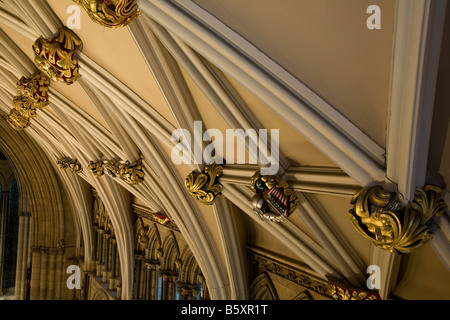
274, 200
110, 13
33, 96
204, 186
55, 56
69, 163
130, 172
379, 216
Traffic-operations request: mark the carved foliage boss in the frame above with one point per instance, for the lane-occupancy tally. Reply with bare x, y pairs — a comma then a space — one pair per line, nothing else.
55, 56
130, 172
378, 215
204, 186
33, 96
110, 13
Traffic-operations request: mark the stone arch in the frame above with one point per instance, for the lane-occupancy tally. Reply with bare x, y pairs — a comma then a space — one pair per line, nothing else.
50, 222
262, 288
154, 243
189, 271
170, 253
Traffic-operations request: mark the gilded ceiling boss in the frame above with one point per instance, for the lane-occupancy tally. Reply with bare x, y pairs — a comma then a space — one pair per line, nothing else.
273, 200
34, 95
130, 172
110, 13
379, 216
55, 56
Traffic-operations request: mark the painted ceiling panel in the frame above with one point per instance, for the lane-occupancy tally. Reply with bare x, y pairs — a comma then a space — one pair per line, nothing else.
327, 46
116, 51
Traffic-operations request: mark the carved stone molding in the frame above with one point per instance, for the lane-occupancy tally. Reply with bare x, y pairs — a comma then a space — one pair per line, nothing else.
187, 290
340, 291
379, 216
274, 200
111, 13
47, 250
69, 163
157, 217
204, 186
287, 272
130, 172
55, 56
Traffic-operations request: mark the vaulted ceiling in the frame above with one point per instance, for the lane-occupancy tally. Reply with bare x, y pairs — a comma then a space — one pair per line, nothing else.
353, 107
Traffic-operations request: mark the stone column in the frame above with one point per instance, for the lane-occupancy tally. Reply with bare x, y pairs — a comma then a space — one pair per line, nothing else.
3, 216
105, 254
168, 284
22, 256
44, 274
154, 281
35, 273
187, 291
26, 256
51, 269
60, 274
113, 278
99, 253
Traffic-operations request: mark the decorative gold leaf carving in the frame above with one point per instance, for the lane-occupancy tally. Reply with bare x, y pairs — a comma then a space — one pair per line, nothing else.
341, 292
25, 106
35, 88
205, 186
96, 168
69, 163
55, 57
17, 120
111, 13
379, 216
131, 173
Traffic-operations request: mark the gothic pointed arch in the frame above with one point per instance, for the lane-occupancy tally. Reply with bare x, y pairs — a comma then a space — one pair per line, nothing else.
262, 288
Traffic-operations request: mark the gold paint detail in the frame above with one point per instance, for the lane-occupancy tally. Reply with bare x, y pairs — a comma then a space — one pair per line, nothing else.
339, 291
69, 163
274, 200
33, 95
96, 168
110, 13
35, 88
130, 172
55, 57
204, 186
379, 216
25, 106
17, 120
